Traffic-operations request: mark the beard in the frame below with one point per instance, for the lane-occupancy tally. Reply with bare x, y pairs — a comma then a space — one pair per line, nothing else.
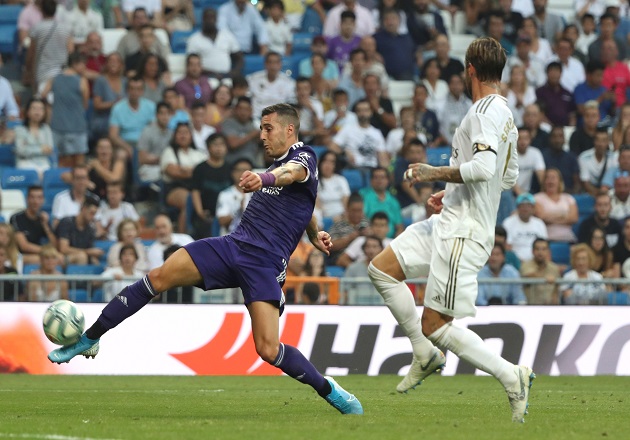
363, 119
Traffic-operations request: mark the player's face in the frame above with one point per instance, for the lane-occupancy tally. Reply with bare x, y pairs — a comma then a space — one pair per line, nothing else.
274, 134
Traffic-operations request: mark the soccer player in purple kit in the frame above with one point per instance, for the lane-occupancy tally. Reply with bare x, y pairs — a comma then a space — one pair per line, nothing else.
254, 257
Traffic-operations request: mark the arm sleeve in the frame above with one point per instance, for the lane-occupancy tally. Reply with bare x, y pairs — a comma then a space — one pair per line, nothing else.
511, 171
483, 132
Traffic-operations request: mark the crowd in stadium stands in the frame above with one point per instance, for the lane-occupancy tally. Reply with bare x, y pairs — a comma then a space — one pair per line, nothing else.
129, 103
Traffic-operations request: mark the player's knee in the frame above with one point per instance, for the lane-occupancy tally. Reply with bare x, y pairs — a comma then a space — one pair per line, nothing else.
158, 280
268, 351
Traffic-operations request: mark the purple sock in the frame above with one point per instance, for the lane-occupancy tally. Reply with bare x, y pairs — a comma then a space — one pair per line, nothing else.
126, 303
294, 364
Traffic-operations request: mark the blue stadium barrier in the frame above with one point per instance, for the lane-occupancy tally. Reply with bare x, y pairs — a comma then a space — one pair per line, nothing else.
335, 271
52, 178
8, 28
618, 299
438, 157
585, 204
354, 178
253, 63
9, 14
84, 269
560, 252
78, 295
14, 178
179, 40
7, 157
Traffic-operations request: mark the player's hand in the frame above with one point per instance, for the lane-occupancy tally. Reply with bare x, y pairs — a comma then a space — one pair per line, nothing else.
435, 201
418, 172
324, 242
250, 182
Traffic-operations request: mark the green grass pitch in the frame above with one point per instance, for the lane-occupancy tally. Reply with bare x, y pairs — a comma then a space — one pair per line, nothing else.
460, 407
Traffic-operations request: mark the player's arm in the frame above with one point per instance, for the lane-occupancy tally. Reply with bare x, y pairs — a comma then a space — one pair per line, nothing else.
320, 239
282, 176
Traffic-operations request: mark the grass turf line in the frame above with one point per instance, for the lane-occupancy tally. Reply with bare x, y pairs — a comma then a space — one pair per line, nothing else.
166, 407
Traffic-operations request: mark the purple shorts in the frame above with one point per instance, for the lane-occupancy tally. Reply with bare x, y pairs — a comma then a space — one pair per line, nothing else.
224, 262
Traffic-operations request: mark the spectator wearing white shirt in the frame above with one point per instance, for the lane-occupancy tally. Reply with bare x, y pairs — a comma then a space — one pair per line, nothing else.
128, 257
333, 189
242, 19
454, 109
81, 20
541, 48
220, 52
595, 162
523, 228
232, 201
379, 227
164, 238
594, 8
588, 33
68, 203
113, 211
271, 85
200, 130
436, 88
524, 7
589, 293
363, 144
278, 29
364, 19
534, 68
311, 112
530, 162
130, 43
620, 198
572, 70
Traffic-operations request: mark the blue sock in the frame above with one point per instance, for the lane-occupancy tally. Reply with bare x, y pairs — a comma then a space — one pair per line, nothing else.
294, 364
126, 303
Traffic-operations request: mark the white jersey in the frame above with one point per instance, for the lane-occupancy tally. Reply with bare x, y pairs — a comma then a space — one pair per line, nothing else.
484, 148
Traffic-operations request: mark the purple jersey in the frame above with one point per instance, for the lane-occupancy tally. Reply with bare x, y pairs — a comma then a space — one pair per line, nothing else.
276, 217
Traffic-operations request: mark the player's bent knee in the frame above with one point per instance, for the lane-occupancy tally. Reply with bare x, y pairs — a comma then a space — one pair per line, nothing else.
159, 280
267, 351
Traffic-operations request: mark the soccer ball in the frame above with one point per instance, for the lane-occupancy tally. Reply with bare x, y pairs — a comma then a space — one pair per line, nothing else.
63, 322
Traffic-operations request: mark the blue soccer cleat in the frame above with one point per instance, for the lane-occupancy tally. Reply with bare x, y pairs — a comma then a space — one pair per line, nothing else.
342, 400
85, 346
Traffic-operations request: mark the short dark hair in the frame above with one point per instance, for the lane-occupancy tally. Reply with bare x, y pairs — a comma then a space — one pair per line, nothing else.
360, 101
128, 247
245, 99
500, 231
608, 16
241, 160
554, 65
213, 137
593, 66
161, 105
192, 55
356, 51
139, 9
272, 54
286, 112
586, 17
500, 247
90, 200
33, 188
355, 197
239, 81
311, 291
540, 240
170, 251
75, 58
300, 79
135, 79
338, 92
168, 90
49, 8
380, 215
196, 105
371, 237
374, 170
347, 14
272, 3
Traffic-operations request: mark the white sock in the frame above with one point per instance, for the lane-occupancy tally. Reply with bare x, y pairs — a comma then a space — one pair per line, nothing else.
467, 345
400, 302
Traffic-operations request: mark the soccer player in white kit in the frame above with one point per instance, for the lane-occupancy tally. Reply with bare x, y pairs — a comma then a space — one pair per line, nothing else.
454, 244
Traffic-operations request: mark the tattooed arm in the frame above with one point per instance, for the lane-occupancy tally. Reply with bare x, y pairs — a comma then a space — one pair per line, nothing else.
281, 176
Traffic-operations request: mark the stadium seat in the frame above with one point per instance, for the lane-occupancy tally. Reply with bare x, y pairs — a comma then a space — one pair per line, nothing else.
111, 38
147, 243
311, 22
618, 299
438, 156
13, 200
302, 44
198, 13
7, 157
354, 178
576, 226
585, 204
2, 219
52, 178
335, 271
84, 269
15, 178
560, 252
105, 245
29, 268
327, 223
9, 13
178, 42
447, 18
8, 28
459, 45
253, 63
215, 230
78, 295
319, 150
401, 95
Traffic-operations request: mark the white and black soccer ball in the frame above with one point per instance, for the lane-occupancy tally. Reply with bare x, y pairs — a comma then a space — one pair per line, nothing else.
63, 322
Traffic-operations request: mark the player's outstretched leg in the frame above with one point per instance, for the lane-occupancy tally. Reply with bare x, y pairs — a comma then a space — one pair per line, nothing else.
467, 345
427, 359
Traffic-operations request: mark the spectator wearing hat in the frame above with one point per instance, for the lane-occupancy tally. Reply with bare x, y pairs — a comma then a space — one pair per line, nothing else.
523, 227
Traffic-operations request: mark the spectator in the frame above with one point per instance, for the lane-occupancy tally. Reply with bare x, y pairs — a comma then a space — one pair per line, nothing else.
176, 105
9, 290
616, 73
232, 201
620, 198
153, 141
364, 21
111, 12
395, 139
426, 120
410, 197
109, 88
398, 50
177, 162
588, 33
373, 62
572, 34
500, 238
572, 69
556, 208
150, 72
523, 227
164, 238
519, 94
34, 140
499, 294
541, 48
448, 66
29, 16
541, 266
378, 198
309, 293
437, 88
208, 180
424, 25
582, 294
9, 242
242, 19
333, 189
322, 88
319, 46
106, 168
602, 255
200, 130
564, 161
194, 87
396, 5
340, 115
513, 20
51, 43
363, 144
621, 127
454, 109
179, 15
556, 101
352, 82
383, 116
622, 168
128, 258
151, 8
607, 27
112, 211
350, 226
220, 52
595, 162
47, 291
372, 246
76, 235
129, 117
31, 226
592, 89
340, 46
550, 25
475, 14
81, 20
95, 59
534, 68
71, 98
495, 28
68, 202
533, 120
601, 219
219, 107
127, 235
530, 163
271, 85
591, 9
130, 43
379, 228
278, 29
241, 133
311, 112
8, 108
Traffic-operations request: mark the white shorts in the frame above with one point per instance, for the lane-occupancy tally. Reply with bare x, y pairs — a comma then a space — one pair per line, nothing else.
451, 265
